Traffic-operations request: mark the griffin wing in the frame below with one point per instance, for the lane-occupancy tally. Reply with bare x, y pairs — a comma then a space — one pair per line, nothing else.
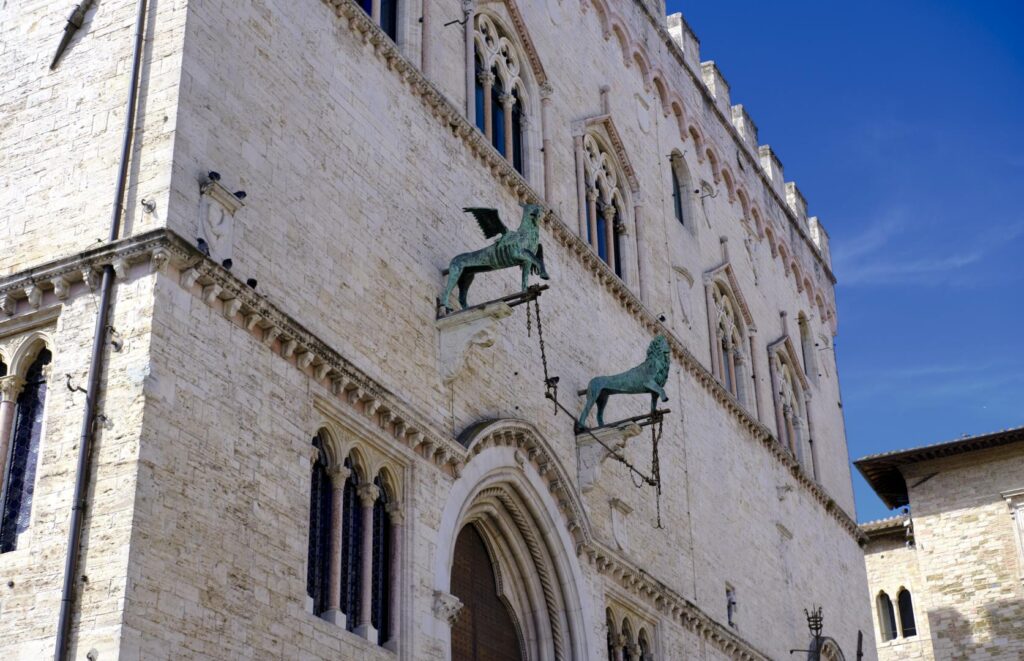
489, 221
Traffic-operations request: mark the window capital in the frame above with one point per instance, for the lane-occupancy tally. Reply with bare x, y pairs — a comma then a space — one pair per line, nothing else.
10, 387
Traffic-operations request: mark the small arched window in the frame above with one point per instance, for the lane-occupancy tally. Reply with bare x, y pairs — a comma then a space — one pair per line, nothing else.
886, 617
612, 636
606, 208
386, 15
351, 549
628, 642
677, 197
380, 616
645, 646
318, 556
906, 606
807, 348
730, 351
19, 477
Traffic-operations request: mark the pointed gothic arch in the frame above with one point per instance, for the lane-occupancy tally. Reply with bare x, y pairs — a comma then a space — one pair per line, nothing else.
523, 522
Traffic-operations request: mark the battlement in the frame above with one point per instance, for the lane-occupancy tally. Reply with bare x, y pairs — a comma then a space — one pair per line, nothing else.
772, 167
746, 127
687, 41
717, 85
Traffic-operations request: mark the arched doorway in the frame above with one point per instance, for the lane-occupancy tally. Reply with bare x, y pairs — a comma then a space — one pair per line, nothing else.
485, 630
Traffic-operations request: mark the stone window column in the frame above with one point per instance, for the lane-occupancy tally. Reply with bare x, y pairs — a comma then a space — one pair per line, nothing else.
10, 388
581, 182
592, 216
780, 422
730, 352
1015, 500
368, 494
620, 647
609, 235
397, 517
467, 17
545, 124
375, 11
709, 298
486, 79
810, 437
508, 100
753, 377
641, 254
338, 476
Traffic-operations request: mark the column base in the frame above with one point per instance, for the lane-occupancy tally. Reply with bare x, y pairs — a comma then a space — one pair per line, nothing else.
368, 632
335, 617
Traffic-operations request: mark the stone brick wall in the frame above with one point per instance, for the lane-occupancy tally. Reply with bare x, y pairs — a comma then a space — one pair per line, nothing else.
354, 187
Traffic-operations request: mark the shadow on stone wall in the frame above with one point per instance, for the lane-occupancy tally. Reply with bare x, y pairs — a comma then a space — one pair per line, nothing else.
957, 638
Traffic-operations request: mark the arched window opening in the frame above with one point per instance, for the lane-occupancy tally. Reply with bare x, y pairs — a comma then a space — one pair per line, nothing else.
677, 196
3, 368
886, 617
645, 646
627, 642
606, 205
792, 407
730, 351
386, 17
500, 90
906, 606
485, 629
20, 475
351, 549
320, 508
380, 616
612, 636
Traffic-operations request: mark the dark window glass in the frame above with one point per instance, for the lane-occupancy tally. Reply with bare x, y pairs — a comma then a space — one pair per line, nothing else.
602, 233
517, 135
479, 96
389, 18
24, 455
617, 239
887, 617
498, 116
318, 558
677, 197
367, 6
381, 615
906, 605
351, 550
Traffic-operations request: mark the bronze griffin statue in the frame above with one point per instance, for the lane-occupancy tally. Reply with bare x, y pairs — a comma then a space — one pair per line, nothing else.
513, 248
648, 377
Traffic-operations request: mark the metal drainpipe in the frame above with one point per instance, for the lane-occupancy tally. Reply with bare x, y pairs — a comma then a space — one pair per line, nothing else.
96, 359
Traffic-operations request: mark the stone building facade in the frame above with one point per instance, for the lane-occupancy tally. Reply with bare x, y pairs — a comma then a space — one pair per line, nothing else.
293, 457
946, 578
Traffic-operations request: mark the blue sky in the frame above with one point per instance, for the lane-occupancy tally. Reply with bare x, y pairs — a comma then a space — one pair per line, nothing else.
903, 124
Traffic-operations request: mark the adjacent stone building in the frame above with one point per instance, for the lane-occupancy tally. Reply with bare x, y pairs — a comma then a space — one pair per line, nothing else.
292, 456
946, 578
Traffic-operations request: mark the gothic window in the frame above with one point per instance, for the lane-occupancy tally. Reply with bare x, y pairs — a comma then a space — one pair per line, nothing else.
645, 646
380, 616
906, 606
627, 642
606, 204
485, 629
731, 605
19, 476
318, 557
612, 636
680, 190
500, 90
792, 406
351, 549
729, 350
19, 481
386, 17
886, 617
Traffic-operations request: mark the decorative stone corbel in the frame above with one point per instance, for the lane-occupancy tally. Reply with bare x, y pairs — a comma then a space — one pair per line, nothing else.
90, 278
158, 260
7, 304
447, 607
34, 294
61, 287
592, 453
462, 331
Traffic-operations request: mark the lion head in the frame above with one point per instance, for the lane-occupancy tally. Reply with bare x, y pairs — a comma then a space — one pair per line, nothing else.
658, 358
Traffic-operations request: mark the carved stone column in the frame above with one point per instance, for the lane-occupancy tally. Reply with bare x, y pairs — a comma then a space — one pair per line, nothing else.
338, 476
470, 64
730, 353
780, 423
592, 216
609, 235
709, 300
642, 266
394, 593
368, 494
754, 378
508, 101
810, 437
486, 79
620, 647
545, 124
10, 388
581, 184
